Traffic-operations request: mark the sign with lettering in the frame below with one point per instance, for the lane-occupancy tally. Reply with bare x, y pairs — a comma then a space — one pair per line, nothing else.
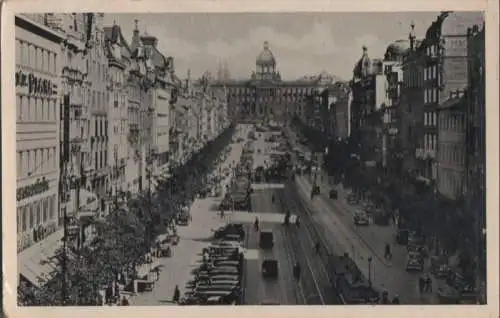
35, 84
30, 190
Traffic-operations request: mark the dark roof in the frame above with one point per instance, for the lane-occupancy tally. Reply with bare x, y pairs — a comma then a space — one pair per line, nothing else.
114, 35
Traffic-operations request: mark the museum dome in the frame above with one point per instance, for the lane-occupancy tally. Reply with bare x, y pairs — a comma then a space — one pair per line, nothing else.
266, 57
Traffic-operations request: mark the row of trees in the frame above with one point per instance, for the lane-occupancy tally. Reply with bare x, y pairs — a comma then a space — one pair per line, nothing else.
124, 237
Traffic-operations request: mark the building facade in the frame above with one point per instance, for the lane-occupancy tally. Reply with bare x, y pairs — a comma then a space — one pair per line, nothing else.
476, 148
37, 81
452, 100
265, 96
118, 54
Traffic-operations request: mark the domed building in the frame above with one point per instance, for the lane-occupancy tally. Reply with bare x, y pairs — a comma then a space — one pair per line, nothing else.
265, 96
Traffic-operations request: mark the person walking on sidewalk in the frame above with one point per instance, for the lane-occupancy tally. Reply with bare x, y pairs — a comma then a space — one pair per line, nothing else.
177, 294
428, 284
421, 284
387, 252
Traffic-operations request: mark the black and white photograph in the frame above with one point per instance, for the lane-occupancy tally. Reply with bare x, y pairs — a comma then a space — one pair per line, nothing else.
250, 158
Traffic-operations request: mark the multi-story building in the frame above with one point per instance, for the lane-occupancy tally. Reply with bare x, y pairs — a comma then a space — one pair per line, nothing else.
118, 54
369, 97
476, 144
37, 82
453, 81
96, 80
265, 96
341, 113
393, 72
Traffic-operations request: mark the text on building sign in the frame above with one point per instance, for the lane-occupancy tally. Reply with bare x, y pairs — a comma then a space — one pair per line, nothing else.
35, 84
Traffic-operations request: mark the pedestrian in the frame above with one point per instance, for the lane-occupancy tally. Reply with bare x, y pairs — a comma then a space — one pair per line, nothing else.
177, 294
421, 284
125, 301
428, 284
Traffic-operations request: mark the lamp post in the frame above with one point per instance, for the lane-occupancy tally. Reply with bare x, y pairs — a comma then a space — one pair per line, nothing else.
370, 259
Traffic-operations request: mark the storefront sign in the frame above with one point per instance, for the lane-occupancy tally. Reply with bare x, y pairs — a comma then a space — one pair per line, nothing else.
30, 190
35, 84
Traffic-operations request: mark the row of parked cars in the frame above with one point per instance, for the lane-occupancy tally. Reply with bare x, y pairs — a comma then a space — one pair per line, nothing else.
217, 278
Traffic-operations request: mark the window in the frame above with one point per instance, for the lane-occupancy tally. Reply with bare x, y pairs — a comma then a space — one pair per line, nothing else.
31, 216
45, 210
51, 207
38, 213
23, 218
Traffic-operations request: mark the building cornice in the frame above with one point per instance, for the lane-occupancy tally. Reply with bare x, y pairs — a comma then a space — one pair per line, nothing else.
38, 29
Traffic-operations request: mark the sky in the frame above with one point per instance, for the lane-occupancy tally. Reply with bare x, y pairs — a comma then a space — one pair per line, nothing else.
302, 43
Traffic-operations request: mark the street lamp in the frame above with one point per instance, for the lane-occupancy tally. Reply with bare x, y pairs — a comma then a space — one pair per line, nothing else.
370, 259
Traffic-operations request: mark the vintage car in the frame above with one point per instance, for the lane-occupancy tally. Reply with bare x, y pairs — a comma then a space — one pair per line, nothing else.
351, 199
440, 267
414, 262
333, 194
270, 268
361, 218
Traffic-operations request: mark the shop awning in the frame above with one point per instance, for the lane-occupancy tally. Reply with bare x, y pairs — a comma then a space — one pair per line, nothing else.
37, 263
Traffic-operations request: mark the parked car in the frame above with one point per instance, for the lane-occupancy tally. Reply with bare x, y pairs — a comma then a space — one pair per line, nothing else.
351, 199
361, 218
439, 266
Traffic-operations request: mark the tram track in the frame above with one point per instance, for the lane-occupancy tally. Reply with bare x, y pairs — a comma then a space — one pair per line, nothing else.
310, 280
297, 206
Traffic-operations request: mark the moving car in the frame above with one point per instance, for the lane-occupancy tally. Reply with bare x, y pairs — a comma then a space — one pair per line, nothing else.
361, 218
270, 268
266, 239
333, 194
351, 199
414, 262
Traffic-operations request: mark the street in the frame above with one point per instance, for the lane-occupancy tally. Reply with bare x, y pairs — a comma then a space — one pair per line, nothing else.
334, 220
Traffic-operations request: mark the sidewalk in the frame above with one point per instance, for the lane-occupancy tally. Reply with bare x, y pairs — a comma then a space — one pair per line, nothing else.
176, 270
334, 219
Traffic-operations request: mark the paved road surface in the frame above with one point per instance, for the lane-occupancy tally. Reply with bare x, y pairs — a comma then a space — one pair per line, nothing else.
258, 290
334, 220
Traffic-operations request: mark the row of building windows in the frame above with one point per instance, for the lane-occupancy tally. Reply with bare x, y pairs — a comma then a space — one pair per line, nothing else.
431, 95
36, 161
99, 100
412, 77
432, 50
279, 91
36, 108
430, 72
35, 57
430, 119
100, 126
35, 214
454, 121
452, 154
119, 100
449, 183
120, 127
430, 142
100, 159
